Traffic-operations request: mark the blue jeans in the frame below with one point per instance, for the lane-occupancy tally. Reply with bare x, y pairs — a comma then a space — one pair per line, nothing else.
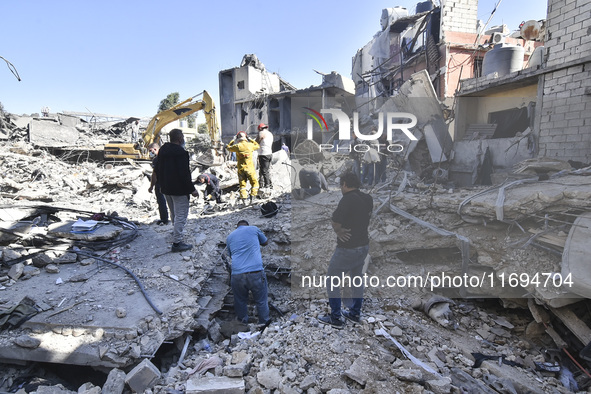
255, 282
368, 173
345, 261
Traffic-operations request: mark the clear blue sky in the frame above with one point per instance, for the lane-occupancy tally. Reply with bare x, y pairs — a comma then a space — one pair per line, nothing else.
123, 57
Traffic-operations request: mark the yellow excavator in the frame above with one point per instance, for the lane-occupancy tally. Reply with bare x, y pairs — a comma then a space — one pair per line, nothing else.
139, 150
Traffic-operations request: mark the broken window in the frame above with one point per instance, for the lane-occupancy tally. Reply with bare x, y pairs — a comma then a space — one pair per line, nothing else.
477, 67
509, 122
240, 84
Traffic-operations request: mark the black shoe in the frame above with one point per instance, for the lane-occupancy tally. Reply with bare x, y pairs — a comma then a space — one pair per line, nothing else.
180, 247
347, 315
162, 222
326, 319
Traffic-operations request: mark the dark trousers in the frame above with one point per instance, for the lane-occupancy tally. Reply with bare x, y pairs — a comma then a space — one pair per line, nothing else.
162, 209
255, 283
264, 165
215, 193
346, 261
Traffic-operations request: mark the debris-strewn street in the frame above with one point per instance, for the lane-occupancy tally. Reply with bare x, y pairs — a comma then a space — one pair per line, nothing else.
471, 149
93, 312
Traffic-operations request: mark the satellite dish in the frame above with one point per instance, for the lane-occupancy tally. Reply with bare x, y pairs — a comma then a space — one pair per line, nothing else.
530, 30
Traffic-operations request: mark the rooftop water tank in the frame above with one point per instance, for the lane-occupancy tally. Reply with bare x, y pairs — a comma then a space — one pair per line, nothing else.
390, 15
424, 6
503, 59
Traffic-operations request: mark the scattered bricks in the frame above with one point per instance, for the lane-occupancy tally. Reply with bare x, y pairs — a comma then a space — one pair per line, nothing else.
115, 382
214, 385
143, 376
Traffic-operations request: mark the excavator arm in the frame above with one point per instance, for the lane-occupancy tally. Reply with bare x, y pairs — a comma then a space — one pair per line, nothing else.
139, 150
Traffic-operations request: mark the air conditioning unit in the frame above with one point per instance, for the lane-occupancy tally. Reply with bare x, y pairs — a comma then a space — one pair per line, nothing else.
497, 38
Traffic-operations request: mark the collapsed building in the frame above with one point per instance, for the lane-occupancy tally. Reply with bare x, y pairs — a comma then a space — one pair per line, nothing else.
486, 191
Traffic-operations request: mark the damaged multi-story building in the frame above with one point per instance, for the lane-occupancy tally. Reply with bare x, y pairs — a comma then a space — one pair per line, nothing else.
485, 94
250, 95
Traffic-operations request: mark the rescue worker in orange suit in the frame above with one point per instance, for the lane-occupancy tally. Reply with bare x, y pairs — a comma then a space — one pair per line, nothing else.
244, 148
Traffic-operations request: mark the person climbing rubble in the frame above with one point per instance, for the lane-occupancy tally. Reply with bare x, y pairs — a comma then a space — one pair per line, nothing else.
248, 274
212, 187
265, 140
350, 222
173, 173
244, 148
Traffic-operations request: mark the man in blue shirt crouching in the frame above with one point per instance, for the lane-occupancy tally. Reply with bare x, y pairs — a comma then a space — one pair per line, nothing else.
248, 274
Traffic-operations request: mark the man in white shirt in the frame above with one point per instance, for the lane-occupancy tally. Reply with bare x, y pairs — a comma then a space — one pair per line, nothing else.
265, 140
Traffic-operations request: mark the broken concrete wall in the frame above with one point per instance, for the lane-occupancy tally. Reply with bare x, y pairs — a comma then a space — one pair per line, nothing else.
48, 133
504, 152
477, 110
459, 16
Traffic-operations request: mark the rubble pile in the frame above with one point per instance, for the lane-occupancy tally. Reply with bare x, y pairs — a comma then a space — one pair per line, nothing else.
412, 338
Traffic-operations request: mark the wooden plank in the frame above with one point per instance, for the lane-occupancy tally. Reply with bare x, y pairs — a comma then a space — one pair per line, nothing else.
573, 323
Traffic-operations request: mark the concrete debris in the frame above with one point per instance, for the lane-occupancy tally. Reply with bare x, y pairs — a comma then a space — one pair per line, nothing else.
80, 323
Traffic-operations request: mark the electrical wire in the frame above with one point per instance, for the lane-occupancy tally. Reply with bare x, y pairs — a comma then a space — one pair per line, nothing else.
12, 68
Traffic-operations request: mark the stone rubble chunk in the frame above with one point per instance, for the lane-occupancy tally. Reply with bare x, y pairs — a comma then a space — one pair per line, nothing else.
16, 271
57, 389
439, 386
115, 382
27, 342
89, 388
309, 382
408, 375
52, 269
269, 378
66, 258
9, 254
143, 376
41, 260
359, 370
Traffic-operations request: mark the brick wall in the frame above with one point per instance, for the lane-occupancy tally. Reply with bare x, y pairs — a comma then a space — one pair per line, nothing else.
568, 31
459, 16
565, 122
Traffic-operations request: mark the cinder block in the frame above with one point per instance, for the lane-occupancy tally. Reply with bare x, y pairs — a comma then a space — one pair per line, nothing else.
215, 385
574, 138
143, 376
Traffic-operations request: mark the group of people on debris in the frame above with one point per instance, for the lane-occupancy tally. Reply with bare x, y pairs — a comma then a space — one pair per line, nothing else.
350, 221
171, 176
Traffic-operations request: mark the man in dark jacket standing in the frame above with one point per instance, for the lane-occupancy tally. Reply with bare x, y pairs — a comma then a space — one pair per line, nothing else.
350, 222
174, 176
